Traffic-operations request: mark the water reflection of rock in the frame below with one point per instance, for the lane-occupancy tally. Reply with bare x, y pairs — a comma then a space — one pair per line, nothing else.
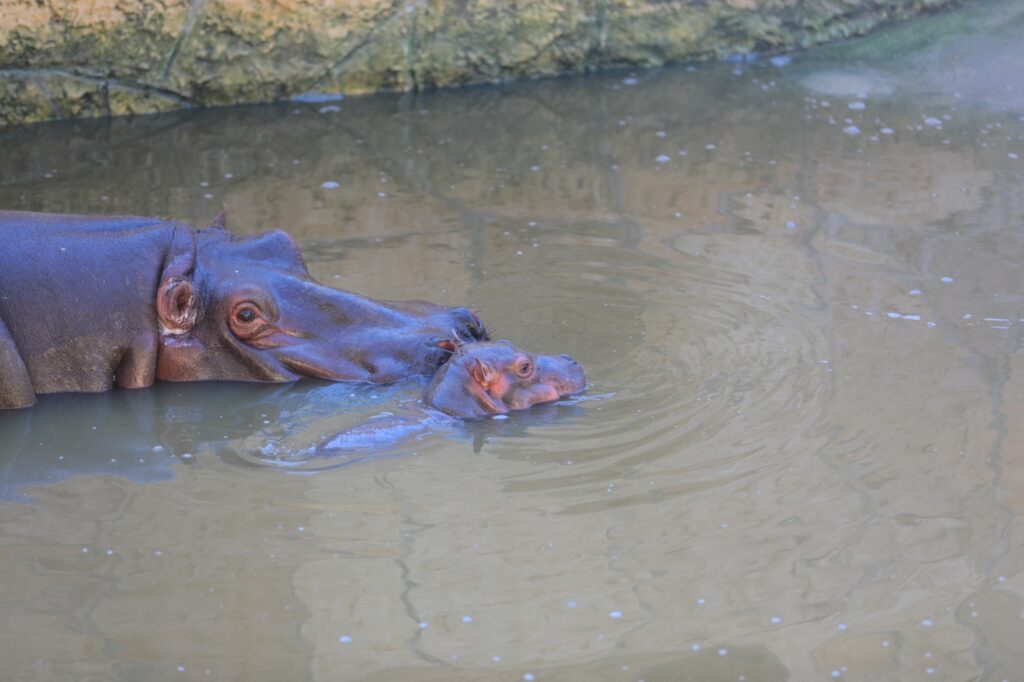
995, 617
745, 662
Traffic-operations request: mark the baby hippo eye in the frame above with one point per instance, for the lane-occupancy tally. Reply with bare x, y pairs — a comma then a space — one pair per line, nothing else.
524, 368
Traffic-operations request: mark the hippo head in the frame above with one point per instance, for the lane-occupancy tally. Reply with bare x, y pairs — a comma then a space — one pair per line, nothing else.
247, 309
496, 377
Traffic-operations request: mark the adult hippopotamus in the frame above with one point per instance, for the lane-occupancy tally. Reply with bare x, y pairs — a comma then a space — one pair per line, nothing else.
89, 302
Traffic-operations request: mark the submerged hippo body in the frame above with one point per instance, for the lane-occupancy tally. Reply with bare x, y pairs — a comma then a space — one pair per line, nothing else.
87, 303
479, 380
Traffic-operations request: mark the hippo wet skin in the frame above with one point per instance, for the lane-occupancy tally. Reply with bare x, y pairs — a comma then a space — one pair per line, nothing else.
485, 379
479, 380
91, 302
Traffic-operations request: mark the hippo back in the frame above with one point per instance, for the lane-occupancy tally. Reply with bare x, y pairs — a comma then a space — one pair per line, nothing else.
77, 291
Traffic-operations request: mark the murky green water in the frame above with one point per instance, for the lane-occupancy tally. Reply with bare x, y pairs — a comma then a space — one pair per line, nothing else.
802, 452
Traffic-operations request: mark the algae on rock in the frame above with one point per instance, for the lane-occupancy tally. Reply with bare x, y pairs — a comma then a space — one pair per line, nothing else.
70, 58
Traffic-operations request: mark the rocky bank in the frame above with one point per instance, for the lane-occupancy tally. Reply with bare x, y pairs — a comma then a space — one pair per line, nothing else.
75, 58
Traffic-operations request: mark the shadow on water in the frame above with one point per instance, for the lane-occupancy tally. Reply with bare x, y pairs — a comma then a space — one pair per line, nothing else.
143, 435
139, 435
319, 440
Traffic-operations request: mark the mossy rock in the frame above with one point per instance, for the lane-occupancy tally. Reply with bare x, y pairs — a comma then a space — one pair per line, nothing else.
62, 59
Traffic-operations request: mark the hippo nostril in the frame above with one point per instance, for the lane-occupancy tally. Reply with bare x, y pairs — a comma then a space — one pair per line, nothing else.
567, 357
471, 323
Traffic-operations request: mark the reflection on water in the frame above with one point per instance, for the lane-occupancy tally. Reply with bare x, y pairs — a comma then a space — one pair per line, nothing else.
801, 312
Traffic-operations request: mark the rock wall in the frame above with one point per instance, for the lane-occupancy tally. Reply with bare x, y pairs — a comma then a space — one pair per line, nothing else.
71, 58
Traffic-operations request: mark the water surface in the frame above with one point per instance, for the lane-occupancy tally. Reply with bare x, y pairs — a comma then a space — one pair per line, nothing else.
797, 292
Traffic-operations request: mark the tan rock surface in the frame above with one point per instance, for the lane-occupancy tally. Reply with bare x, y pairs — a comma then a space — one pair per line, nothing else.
77, 58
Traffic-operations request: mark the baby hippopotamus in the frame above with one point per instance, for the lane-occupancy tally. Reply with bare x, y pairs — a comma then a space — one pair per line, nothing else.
479, 380
495, 377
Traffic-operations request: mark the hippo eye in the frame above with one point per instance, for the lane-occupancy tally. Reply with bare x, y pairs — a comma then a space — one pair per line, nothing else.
248, 322
524, 368
246, 315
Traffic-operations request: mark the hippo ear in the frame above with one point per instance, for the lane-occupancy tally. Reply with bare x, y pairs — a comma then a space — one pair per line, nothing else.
176, 305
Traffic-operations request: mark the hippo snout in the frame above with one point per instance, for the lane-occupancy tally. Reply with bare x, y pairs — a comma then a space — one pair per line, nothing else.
562, 372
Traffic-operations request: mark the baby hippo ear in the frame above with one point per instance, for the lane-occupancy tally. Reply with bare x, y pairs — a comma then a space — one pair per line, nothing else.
176, 305
481, 373
483, 381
